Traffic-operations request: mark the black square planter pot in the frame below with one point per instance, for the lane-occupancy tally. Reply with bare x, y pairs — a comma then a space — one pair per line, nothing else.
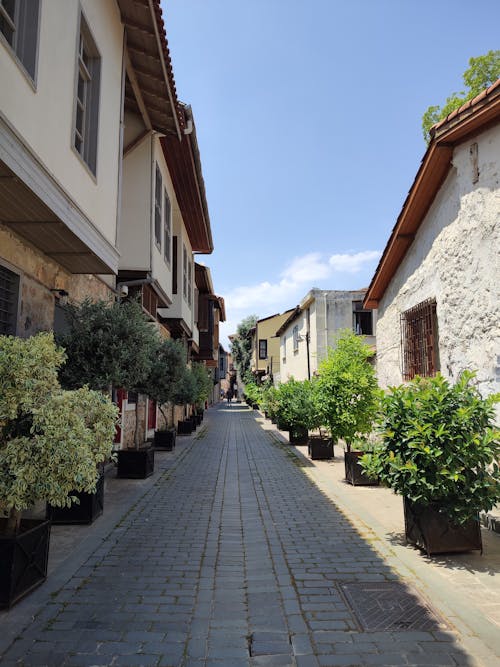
354, 473
23, 560
90, 507
432, 530
165, 440
136, 463
319, 448
298, 435
282, 426
185, 427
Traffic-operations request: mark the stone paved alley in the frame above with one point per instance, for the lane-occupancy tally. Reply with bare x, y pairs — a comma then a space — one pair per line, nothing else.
229, 556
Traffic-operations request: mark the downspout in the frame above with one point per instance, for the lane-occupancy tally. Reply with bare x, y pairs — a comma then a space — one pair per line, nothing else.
308, 340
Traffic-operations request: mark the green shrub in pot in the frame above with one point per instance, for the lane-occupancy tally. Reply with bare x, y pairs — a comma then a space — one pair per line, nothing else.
439, 445
346, 388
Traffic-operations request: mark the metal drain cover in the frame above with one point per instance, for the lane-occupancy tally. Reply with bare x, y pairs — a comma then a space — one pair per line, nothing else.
390, 606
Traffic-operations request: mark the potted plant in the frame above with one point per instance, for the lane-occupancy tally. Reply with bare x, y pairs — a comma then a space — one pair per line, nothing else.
184, 393
354, 472
204, 386
111, 344
346, 389
297, 409
167, 369
51, 441
270, 402
439, 450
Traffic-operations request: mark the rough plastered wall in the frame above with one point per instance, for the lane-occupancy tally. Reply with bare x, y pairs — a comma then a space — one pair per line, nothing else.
39, 274
454, 259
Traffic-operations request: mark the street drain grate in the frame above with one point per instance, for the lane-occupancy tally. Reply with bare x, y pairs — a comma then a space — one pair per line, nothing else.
390, 606
269, 643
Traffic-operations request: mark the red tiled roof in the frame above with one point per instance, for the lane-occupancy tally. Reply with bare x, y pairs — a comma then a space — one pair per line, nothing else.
473, 117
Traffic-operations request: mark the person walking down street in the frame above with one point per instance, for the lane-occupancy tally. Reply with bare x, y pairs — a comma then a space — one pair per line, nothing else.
229, 396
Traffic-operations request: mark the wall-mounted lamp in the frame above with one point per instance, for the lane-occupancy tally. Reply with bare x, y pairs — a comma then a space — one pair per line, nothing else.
61, 295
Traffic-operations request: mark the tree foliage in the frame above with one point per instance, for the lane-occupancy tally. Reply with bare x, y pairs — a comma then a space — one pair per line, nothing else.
203, 383
184, 391
51, 440
241, 346
483, 71
295, 404
346, 387
107, 344
439, 445
167, 368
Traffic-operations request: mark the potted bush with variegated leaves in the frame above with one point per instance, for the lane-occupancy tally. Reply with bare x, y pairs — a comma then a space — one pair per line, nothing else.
51, 442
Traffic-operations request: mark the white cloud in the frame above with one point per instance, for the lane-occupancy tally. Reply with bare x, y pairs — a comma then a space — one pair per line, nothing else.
296, 279
354, 262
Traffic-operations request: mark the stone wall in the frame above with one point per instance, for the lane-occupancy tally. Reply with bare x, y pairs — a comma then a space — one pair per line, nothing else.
455, 260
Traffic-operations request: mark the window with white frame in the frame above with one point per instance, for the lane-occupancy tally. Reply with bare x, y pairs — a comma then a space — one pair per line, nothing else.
167, 228
19, 28
295, 335
157, 214
184, 271
190, 281
284, 349
87, 97
9, 301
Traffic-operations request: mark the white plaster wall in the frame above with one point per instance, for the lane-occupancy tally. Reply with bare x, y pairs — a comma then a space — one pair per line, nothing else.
135, 223
296, 362
454, 259
43, 117
162, 271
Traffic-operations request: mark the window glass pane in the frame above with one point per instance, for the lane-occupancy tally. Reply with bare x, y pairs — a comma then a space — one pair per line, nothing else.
9, 295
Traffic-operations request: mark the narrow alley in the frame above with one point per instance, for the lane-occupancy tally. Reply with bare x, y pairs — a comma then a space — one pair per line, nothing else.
231, 557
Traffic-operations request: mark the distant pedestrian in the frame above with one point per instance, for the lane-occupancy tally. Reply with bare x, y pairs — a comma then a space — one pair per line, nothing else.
229, 396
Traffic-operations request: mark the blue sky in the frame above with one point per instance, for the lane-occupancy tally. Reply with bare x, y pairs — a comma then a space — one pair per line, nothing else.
308, 117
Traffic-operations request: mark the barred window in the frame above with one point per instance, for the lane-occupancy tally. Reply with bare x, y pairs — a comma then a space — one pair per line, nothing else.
419, 340
9, 300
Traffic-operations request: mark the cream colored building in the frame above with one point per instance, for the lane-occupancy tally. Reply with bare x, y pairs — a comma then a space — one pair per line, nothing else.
101, 190
265, 360
313, 327
437, 286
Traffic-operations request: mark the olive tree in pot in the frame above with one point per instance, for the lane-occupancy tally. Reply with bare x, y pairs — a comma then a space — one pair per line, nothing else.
111, 344
51, 441
204, 386
167, 369
439, 450
184, 393
346, 391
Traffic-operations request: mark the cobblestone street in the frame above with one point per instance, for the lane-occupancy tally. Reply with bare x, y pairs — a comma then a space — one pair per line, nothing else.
232, 557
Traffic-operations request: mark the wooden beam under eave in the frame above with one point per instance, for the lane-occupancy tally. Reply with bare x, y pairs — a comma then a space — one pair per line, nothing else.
137, 91
164, 68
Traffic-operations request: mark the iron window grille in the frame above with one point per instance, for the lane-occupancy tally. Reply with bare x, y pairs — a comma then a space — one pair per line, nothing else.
419, 340
9, 300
